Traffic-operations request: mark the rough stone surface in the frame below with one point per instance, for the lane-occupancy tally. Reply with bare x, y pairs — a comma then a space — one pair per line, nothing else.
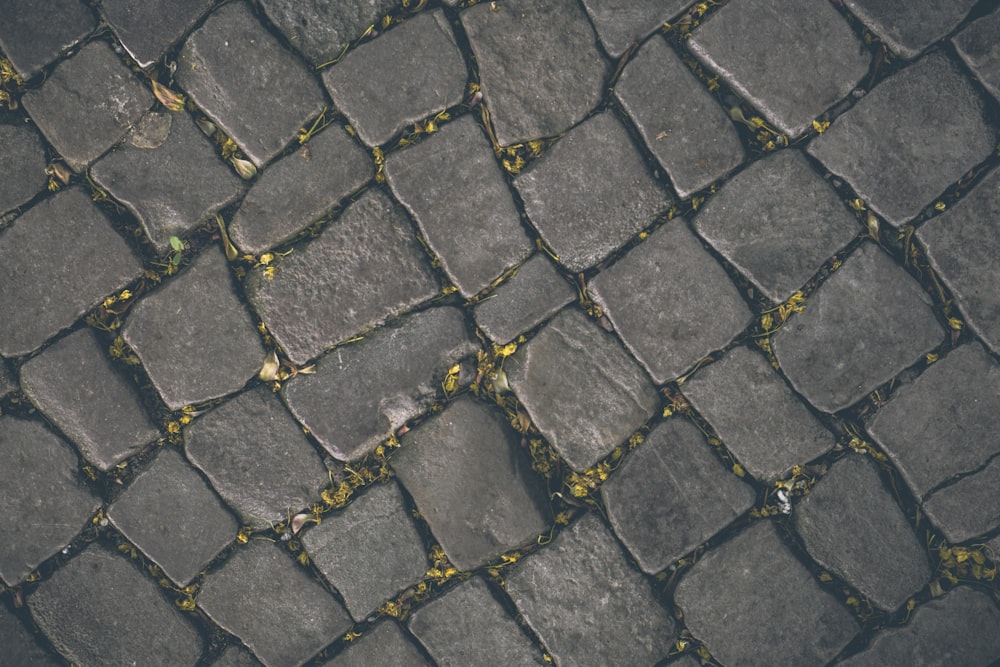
193, 336
777, 222
582, 390
539, 66
555, 592
681, 123
721, 599
239, 74
257, 458
147, 28
40, 291
487, 500
87, 104
274, 606
299, 189
671, 495
851, 337
469, 627
671, 302
369, 551
19, 644
882, 148
94, 405
820, 61
362, 393
910, 27
756, 415
476, 236
619, 23
99, 609
27, 45
379, 96
969, 508
236, 656
384, 645
22, 164
978, 47
7, 384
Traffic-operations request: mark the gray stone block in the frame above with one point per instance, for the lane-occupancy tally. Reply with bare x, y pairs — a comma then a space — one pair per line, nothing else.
147, 28
968, 508
487, 500
590, 193
236, 656
539, 66
977, 45
362, 393
619, 23
854, 336
380, 96
22, 164
455, 190
33, 34
882, 148
587, 604
820, 61
671, 495
910, 27
7, 383
19, 644
385, 644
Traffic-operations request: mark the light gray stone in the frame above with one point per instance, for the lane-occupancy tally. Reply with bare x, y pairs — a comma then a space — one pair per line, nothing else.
978, 47
385, 644
147, 28
619, 23
34, 34
22, 164
20, 645
910, 26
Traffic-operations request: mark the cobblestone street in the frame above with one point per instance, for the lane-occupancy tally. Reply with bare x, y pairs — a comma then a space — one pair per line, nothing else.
523, 332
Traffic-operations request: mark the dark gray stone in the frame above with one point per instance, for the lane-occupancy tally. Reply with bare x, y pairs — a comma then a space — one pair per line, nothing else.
7, 383
590, 193
587, 604
487, 500
866, 323
756, 415
455, 190
978, 47
535, 292
910, 26
33, 34
171, 186
619, 23
147, 28
87, 104
671, 302
969, 508
57, 261
241, 76
384, 645
539, 65
299, 189
236, 656
257, 458
22, 164
99, 609
19, 644
274, 606
721, 598
380, 95
777, 222
467, 626
369, 551
363, 268
194, 336
882, 148
682, 124
97, 407
671, 495
820, 61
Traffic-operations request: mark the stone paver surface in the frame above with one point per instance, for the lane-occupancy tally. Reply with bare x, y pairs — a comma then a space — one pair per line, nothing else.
65, 23
22, 164
148, 28
620, 23
910, 27
20, 647
977, 46
384, 645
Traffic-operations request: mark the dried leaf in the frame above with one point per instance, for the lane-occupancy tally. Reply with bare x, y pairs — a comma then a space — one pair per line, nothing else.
244, 168
269, 371
168, 98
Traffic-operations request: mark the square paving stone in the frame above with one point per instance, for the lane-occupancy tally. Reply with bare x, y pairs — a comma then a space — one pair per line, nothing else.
78, 389
45, 503
380, 97
721, 598
964, 248
369, 551
455, 190
362, 393
968, 508
777, 222
57, 261
99, 609
910, 26
820, 61
977, 45
539, 66
147, 28
582, 390
87, 104
671, 302
299, 189
468, 626
682, 124
22, 164
168, 176
364, 267
672, 494
257, 458
194, 336
587, 604
251, 86
19, 644
590, 193
274, 606
619, 23
472, 482
33, 33
384, 645
864, 325
881, 146
756, 415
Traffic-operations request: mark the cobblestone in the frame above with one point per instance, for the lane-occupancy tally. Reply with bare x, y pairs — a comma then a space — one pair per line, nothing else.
29, 50
20, 647
384, 645
620, 23
910, 27
23, 166
147, 29
977, 47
